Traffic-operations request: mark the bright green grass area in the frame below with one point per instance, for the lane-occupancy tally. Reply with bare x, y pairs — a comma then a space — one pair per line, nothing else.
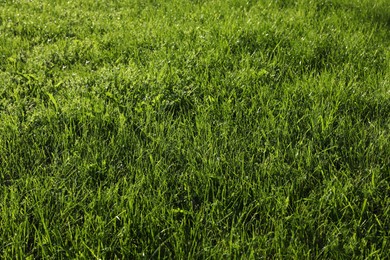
195, 129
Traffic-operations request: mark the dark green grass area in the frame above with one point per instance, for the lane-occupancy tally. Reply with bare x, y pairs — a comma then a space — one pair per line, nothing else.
195, 129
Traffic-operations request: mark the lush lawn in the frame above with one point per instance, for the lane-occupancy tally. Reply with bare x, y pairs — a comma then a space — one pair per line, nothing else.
195, 129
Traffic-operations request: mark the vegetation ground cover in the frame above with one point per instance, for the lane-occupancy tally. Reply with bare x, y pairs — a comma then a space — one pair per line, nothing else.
194, 129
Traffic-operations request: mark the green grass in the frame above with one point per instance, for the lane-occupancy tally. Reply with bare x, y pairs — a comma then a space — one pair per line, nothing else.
194, 129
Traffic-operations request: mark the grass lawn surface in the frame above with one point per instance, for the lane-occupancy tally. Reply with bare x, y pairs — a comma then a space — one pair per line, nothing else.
195, 129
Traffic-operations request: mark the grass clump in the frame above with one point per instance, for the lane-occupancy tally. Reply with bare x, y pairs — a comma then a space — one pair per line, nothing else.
194, 129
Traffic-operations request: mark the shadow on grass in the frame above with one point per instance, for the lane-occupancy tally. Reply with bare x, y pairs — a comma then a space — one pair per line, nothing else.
381, 15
